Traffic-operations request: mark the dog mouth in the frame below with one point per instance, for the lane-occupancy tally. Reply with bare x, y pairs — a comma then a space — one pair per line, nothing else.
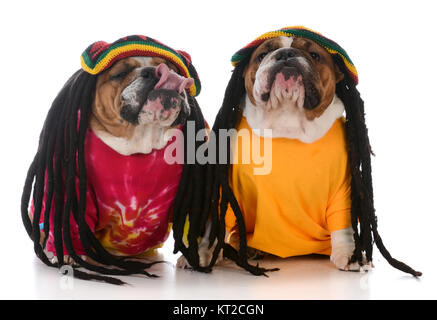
161, 98
162, 104
290, 76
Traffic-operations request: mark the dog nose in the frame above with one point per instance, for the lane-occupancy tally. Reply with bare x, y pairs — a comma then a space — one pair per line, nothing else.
285, 54
148, 73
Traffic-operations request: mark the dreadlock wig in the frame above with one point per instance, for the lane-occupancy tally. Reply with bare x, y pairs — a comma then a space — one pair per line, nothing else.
68, 194
357, 149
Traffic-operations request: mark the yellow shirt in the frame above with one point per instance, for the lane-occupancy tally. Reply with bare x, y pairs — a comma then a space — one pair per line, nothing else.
306, 196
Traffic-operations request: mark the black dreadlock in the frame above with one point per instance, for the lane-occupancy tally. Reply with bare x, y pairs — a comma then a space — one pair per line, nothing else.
60, 158
362, 209
364, 222
217, 177
192, 195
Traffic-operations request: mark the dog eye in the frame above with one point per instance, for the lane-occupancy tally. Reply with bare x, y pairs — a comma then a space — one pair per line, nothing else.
261, 56
315, 56
120, 75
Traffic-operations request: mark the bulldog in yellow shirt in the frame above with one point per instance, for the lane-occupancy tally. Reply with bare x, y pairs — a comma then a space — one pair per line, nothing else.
290, 89
303, 205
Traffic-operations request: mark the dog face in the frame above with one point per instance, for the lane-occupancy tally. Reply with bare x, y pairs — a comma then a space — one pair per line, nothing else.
138, 91
288, 70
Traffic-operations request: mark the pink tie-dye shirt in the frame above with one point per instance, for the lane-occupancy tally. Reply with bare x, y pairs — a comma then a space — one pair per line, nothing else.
129, 199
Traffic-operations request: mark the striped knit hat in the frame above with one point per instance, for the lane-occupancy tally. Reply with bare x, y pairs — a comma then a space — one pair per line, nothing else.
298, 31
101, 55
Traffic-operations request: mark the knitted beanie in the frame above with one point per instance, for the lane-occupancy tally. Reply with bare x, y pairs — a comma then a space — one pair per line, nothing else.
101, 55
298, 31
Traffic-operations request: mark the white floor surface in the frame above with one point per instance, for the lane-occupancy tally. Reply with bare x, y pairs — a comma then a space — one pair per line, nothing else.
310, 277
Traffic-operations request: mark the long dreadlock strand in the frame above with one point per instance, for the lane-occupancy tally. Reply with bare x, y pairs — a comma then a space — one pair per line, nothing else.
234, 92
222, 194
190, 200
197, 197
25, 197
363, 211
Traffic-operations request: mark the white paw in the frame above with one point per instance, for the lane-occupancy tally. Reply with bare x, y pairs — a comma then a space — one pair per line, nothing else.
69, 260
340, 259
343, 246
182, 263
205, 256
342, 262
356, 266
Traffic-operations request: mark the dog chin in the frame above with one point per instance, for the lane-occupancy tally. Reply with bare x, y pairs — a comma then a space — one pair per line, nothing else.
163, 108
165, 118
286, 92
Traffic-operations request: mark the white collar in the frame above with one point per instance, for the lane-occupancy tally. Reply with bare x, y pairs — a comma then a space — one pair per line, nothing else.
291, 122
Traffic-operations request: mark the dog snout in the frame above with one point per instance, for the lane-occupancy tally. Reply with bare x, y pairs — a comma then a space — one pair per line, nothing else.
149, 73
286, 54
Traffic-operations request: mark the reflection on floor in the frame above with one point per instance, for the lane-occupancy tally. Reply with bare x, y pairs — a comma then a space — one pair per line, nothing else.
307, 277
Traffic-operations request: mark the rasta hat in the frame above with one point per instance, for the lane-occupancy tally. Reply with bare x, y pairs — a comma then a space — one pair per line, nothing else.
298, 31
101, 55
364, 221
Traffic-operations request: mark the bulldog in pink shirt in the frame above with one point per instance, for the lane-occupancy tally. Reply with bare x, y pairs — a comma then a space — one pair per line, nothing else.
102, 188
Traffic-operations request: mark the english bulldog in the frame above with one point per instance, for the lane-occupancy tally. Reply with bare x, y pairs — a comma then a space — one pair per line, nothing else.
303, 205
125, 103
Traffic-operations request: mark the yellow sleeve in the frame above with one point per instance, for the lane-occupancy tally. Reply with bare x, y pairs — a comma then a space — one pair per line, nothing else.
338, 214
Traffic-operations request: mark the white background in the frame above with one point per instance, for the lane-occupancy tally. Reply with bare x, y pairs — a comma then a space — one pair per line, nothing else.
392, 44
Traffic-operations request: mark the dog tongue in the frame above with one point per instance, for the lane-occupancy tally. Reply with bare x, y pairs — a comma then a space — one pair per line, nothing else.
168, 79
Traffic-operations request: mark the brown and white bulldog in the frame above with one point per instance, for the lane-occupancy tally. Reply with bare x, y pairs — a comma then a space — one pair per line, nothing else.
290, 85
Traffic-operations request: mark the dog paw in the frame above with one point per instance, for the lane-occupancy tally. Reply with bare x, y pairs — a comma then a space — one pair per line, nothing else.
343, 247
355, 266
343, 262
182, 263
205, 256
68, 260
